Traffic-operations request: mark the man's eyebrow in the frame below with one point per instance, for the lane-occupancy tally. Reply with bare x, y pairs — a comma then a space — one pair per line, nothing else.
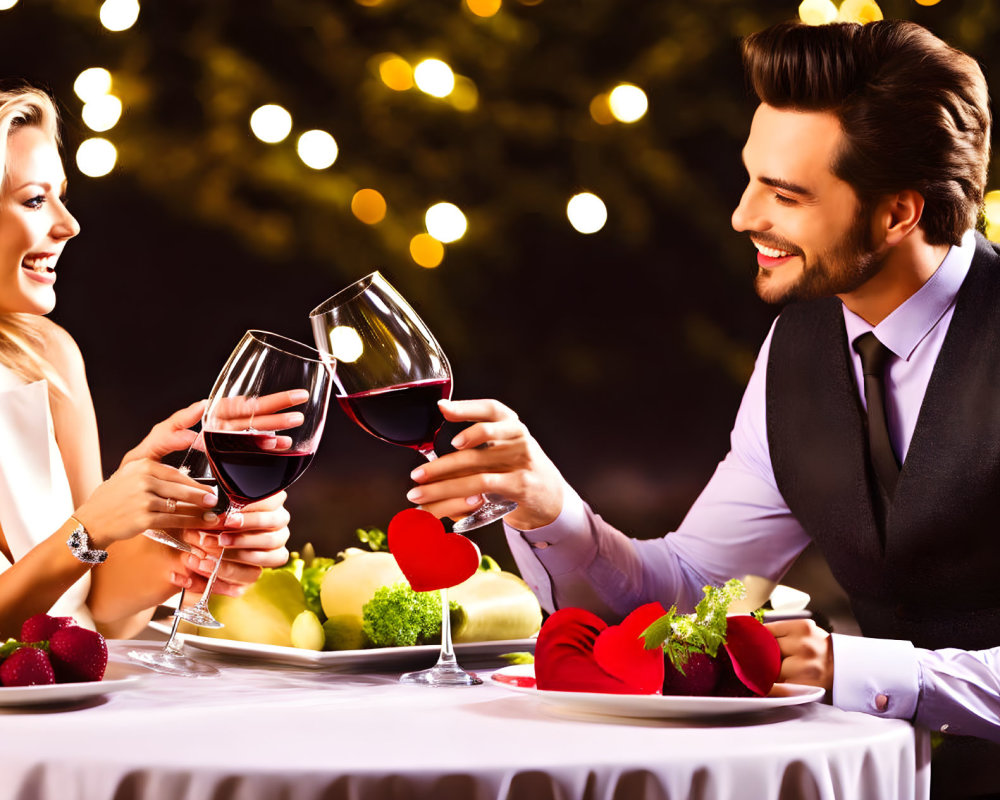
788, 186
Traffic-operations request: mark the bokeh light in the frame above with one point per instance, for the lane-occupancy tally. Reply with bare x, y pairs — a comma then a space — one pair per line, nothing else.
317, 149
483, 8
817, 12
434, 77
445, 222
396, 73
426, 251
586, 212
96, 157
991, 208
628, 103
92, 83
7, 4
369, 206
465, 95
928, 2
102, 113
119, 15
862, 11
600, 111
271, 123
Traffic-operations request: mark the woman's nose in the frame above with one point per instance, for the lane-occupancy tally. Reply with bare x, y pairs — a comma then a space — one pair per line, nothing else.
65, 225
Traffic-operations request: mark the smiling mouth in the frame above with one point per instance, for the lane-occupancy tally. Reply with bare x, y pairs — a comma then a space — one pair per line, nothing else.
42, 265
772, 252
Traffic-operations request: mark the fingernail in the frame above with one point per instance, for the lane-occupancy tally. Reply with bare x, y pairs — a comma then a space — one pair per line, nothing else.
417, 474
296, 418
458, 442
209, 500
192, 561
414, 495
210, 516
474, 500
225, 539
299, 394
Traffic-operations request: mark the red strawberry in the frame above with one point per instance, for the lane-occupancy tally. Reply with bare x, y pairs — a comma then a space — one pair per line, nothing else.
27, 666
78, 654
40, 627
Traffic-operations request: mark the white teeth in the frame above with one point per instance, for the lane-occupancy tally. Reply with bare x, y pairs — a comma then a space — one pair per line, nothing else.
770, 252
40, 264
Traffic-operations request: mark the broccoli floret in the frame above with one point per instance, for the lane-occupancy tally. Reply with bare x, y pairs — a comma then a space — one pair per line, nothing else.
397, 616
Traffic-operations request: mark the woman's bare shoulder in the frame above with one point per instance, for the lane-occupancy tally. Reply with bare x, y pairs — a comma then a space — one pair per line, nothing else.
59, 348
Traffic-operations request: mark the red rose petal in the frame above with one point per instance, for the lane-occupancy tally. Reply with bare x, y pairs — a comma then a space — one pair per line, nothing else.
428, 556
564, 655
621, 652
754, 652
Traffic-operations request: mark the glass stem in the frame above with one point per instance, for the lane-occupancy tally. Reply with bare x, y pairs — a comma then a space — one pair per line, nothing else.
447, 656
171, 645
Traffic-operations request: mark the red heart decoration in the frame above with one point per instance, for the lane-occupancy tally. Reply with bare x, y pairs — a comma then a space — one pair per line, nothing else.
621, 651
754, 652
564, 655
428, 556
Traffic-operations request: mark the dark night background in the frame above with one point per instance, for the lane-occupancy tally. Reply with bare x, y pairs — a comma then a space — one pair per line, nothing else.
625, 351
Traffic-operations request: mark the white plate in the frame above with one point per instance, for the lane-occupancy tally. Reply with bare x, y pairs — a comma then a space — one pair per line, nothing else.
116, 677
521, 678
376, 657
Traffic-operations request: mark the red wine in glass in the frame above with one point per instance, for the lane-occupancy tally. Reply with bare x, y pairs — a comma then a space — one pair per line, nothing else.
249, 468
406, 415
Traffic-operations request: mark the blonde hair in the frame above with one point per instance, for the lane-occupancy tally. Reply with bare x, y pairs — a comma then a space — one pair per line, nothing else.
21, 344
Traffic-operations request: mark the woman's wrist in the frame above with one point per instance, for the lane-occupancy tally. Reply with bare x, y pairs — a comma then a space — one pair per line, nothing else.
84, 542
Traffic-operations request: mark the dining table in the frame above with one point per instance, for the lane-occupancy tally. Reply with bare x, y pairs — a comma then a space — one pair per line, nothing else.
261, 730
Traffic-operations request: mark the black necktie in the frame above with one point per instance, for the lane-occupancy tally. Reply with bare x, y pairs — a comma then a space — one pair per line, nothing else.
874, 357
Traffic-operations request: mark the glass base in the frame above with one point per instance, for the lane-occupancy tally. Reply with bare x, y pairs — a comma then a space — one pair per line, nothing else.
201, 617
490, 511
163, 537
442, 675
173, 664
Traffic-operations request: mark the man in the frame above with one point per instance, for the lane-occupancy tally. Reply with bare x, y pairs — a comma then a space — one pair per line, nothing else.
867, 162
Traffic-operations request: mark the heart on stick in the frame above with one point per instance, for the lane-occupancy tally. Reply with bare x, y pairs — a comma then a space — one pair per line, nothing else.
430, 557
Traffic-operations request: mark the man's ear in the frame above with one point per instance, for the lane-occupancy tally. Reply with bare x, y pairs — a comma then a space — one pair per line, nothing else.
897, 215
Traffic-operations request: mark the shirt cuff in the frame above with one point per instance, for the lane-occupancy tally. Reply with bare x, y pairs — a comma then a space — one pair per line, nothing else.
566, 544
875, 676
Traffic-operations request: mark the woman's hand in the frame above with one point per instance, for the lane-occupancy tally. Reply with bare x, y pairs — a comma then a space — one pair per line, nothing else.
173, 434
143, 494
253, 539
495, 454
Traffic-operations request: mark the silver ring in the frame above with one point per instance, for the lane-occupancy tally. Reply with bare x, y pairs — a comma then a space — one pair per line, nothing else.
171, 505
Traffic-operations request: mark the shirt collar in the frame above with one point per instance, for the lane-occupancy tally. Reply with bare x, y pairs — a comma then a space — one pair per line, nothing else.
907, 326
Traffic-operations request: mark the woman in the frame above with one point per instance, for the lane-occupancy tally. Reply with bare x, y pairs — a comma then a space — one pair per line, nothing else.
58, 517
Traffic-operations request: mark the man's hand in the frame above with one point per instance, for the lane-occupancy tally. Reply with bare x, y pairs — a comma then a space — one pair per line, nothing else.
806, 652
495, 454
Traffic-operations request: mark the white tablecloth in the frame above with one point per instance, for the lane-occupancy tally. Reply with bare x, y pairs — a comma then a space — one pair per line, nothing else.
264, 733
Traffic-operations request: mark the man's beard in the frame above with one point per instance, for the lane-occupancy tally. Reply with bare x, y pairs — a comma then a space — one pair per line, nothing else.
841, 269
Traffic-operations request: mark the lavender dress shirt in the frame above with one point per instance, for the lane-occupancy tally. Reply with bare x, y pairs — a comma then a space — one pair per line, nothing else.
741, 525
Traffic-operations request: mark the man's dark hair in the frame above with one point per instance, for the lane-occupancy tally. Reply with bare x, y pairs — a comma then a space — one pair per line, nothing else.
914, 111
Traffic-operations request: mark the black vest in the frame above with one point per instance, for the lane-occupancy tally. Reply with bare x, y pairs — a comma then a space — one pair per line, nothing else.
925, 567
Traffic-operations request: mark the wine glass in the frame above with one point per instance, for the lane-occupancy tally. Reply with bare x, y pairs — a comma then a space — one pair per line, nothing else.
263, 422
391, 372
171, 658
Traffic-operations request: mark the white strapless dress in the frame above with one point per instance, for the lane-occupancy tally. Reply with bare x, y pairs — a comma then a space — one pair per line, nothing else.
35, 497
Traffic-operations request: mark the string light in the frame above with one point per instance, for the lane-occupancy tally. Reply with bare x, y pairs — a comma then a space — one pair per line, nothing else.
96, 157
317, 149
92, 83
445, 222
396, 73
119, 15
483, 8
426, 251
369, 206
628, 103
271, 123
586, 212
434, 77
102, 113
